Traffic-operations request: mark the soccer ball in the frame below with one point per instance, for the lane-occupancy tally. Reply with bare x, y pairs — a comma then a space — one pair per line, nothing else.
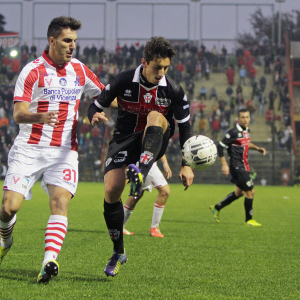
199, 152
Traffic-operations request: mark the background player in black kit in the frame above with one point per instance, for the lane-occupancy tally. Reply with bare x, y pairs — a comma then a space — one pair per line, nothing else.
147, 100
237, 142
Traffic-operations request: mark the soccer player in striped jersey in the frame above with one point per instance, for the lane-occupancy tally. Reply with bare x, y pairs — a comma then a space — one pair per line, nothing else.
237, 142
155, 179
46, 102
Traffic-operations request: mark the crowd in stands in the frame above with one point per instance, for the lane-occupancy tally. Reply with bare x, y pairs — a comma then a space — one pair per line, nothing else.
212, 112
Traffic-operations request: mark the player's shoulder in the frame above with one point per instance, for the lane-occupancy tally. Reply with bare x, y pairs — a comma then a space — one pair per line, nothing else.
32, 66
173, 85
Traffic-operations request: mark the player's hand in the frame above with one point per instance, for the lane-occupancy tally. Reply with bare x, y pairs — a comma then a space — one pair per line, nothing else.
98, 118
168, 171
225, 170
186, 176
50, 118
262, 150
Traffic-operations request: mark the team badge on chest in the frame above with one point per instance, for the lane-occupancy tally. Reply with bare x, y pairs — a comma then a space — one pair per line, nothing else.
147, 97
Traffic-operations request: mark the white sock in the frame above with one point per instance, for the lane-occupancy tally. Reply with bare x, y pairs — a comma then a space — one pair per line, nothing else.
127, 213
157, 214
54, 237
6, 230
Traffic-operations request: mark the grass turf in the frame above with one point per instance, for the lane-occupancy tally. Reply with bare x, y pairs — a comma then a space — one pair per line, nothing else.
197, 259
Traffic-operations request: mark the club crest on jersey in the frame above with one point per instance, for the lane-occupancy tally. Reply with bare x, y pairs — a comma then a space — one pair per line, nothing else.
16, 179
147, 97
63, 81
246, 135
146, 157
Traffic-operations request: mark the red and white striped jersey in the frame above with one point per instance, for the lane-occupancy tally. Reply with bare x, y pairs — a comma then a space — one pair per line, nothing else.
50, 87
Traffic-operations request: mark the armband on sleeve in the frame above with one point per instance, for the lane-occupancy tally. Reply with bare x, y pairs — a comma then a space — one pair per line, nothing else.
92, 110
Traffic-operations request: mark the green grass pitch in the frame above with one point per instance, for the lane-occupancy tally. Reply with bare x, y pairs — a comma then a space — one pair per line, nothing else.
197, 259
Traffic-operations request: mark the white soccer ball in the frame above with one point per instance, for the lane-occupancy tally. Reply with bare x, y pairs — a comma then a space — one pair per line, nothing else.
199, 152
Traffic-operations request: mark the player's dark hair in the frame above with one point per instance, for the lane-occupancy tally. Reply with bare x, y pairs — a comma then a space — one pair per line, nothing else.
158, 47
243, 110
58, 24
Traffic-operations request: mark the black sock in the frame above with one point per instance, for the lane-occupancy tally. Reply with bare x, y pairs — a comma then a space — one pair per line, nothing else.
114, 218
248, 208
226, 201
151, 147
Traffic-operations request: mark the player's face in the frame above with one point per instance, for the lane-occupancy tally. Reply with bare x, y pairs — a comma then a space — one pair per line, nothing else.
61, 48
156, 69
244, 119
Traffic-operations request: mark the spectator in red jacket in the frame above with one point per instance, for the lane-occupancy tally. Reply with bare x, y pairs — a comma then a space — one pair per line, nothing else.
230, 75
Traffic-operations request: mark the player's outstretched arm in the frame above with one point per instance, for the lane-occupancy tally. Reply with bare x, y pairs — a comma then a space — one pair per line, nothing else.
23, 116
167, 169
186, 176
259, 149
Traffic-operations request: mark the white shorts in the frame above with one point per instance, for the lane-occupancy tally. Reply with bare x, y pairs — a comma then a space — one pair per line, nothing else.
28, 164
155, 179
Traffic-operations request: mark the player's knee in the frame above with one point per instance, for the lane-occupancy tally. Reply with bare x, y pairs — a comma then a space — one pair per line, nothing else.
155, 118
113, 193
250, 194
165, 192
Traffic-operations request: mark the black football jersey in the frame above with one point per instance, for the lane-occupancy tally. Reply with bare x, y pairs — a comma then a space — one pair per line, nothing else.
237, 141
136, 100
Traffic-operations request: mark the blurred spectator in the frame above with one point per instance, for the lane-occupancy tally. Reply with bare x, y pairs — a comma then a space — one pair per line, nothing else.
229, 92
230, 75
202, 125
202, 106
213, 93
262, 83
242, 74
202, 92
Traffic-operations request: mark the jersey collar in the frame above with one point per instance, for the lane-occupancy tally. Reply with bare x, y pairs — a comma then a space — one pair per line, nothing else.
240, 128
136, 77
50, 62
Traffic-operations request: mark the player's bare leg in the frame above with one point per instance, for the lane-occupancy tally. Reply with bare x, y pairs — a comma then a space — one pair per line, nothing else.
11, 203
159, 205
114, 182
55, 232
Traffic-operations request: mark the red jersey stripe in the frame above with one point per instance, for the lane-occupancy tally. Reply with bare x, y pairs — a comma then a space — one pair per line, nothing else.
58, 131
74, 143
28, 84
42, 73
92, 76
36, 131
80, 80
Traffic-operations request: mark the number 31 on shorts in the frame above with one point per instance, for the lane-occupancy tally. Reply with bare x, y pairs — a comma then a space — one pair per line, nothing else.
70, 175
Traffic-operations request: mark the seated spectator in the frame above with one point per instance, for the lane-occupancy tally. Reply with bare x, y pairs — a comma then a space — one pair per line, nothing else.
202, 92
213, 93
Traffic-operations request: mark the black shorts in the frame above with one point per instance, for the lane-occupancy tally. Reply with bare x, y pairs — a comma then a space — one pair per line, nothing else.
127, 150
241, 178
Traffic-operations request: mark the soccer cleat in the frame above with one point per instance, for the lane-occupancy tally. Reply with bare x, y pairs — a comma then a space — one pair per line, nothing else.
155, 232
215, 213
134, 175
3, 252
252, 223
114, 263
48, 271
126, 232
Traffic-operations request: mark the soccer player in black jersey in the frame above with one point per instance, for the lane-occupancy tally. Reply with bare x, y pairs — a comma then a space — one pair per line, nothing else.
237, 142
147, 100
